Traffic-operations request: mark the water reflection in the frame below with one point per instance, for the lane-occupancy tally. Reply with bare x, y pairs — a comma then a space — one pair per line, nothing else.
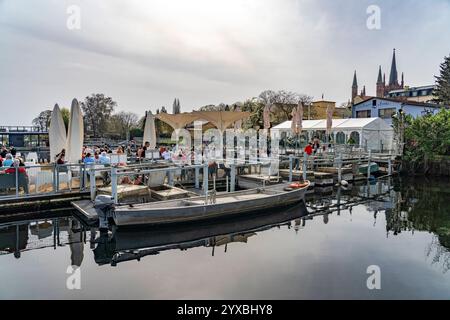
395, 208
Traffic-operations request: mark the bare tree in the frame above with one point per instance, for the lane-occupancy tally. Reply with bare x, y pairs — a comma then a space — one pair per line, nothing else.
43, 120
123, 122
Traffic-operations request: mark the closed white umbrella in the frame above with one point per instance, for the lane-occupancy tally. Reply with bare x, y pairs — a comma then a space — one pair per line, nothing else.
150, 130
294, 120
329, 119
299, 117
266, 116
75, 134
238, 124
57, 135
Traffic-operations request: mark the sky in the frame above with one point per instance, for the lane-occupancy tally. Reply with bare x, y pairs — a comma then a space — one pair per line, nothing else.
144, 54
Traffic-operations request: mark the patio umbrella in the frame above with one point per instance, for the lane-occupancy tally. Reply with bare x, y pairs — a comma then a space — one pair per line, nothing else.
76, 133
238, 124
266, 116
294, 120
329, 119
150, 130
57, 135
299, 117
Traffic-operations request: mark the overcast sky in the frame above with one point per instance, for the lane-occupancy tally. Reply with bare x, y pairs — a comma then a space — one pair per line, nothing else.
145, 53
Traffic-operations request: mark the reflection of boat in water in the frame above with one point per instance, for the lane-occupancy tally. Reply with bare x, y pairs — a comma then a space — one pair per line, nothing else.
126, 244
13, 239
374, 168
41, 229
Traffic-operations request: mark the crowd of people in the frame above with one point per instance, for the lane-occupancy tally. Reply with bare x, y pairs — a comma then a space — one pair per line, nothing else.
9, 159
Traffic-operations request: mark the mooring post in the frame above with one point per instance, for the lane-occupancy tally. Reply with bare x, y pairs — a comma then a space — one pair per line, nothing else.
197, 178
16, 170
290, 168
205, 179
389, 166
114, 184
305, 159
57, 177
339, 163
227, 181
170, 177
368, 165
92, 181
233, 177
54, 177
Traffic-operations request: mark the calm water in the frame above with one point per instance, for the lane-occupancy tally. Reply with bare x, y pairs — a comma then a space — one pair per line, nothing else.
309, 252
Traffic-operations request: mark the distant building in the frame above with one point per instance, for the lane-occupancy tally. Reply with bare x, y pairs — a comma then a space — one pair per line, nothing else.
318, 110
417, 94
385, 107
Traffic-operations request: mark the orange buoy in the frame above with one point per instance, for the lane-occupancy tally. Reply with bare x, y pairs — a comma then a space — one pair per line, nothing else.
297, 185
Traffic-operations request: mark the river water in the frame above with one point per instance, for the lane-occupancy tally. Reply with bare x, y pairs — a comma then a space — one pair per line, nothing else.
327, 249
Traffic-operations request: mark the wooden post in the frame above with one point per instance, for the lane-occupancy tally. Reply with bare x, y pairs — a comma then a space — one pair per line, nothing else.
389, 166
290, 168
368, 165
114, 185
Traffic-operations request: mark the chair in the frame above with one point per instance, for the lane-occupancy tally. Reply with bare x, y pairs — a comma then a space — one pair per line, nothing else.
32, 157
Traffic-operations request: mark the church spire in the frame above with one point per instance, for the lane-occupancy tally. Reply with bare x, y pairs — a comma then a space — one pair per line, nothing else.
354, 87
393, 77
380, 77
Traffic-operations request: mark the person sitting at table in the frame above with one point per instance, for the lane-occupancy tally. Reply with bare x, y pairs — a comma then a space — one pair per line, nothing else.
104, 159
8, 162
88, 159
3, 152
60, 157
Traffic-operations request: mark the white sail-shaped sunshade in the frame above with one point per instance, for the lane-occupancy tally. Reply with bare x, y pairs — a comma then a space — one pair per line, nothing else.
75, 134
57, 133
150, 130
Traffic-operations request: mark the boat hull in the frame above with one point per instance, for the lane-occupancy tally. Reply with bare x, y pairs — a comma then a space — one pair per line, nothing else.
194, 210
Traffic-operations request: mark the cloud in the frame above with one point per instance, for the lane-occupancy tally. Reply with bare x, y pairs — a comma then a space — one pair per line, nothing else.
145, 53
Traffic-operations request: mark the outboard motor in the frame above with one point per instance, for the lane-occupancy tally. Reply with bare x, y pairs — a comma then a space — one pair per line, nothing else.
103, 205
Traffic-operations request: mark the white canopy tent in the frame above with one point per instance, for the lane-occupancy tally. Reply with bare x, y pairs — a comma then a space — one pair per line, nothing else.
370, 133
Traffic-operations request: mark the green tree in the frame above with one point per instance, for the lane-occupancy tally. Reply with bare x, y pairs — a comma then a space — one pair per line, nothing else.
65, 112
442, 91
97, 110
427, 137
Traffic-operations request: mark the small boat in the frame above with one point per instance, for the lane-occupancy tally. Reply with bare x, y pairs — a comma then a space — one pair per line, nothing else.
213, 206
374, 168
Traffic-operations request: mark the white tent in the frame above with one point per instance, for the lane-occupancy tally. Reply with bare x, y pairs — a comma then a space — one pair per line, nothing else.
370, 133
